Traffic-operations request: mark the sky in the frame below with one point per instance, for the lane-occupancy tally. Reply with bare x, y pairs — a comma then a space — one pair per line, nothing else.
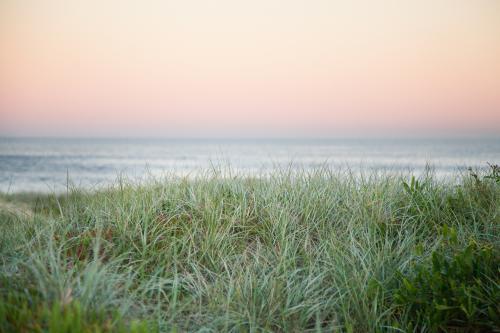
248, 68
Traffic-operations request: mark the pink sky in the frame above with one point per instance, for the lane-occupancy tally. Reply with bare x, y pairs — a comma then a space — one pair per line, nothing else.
239, 68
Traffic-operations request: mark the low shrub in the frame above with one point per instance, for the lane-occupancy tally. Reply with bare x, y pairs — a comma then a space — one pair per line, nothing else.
456, 291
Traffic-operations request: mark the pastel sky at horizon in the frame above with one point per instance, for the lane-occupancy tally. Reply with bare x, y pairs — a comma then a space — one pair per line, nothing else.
248, 68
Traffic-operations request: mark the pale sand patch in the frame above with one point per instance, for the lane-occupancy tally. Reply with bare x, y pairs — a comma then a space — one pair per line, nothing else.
19, 209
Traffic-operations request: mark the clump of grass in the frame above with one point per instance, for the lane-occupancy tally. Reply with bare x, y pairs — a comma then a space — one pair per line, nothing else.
17, 314
292, 251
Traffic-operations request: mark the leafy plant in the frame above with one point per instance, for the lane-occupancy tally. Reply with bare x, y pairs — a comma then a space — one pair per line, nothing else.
458, 291
494, 174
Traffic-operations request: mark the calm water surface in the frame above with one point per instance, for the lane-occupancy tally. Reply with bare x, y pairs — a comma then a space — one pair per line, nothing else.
45, 164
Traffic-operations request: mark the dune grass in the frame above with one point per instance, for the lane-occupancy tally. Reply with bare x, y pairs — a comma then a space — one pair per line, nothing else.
296, 251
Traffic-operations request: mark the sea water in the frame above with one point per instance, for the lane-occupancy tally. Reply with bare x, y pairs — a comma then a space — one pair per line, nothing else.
50, 164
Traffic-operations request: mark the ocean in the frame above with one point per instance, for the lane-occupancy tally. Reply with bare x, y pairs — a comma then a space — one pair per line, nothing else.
49, 164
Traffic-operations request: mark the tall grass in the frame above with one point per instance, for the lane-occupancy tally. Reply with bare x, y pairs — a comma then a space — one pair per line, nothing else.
295, 251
